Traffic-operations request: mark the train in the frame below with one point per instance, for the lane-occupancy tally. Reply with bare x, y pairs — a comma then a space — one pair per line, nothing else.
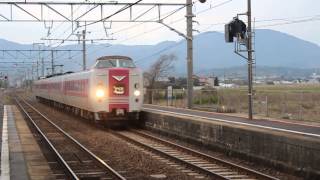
109, 92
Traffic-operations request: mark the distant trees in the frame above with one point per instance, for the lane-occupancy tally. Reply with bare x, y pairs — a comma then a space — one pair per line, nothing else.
196, 82
160, 68
177, 83
216, 81
172, 80
181, 82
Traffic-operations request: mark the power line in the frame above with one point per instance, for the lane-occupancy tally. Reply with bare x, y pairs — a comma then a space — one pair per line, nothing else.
175, 45
291, 22
122, 9
101, 20
19, 62
165, 49
140, 34
215, 6
117, 12
62, 23
160, 51
135, 25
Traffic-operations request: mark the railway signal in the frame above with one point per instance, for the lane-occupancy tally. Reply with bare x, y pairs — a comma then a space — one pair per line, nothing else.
235, 29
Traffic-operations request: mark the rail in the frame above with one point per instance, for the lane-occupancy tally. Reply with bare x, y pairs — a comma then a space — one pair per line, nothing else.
32, 113
203, 163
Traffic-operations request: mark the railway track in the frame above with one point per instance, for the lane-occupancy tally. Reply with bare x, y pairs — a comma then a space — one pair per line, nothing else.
74, 158
195, 161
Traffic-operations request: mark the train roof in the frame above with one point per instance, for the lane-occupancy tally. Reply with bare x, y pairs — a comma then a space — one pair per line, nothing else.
114, 57
57, 74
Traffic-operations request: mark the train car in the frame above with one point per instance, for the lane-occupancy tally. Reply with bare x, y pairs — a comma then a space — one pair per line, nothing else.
110, 91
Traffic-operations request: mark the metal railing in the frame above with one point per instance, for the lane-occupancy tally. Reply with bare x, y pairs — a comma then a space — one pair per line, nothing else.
298, 105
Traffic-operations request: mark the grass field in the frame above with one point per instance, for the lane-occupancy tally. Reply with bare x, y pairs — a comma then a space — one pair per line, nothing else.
299, 102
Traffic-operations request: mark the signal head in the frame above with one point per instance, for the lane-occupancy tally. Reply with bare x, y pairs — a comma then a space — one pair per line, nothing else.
202, 1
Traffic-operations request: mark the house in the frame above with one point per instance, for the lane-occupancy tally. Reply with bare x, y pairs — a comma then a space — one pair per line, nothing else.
314, 79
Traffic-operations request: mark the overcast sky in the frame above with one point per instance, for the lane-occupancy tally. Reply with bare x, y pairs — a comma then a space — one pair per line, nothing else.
270, 14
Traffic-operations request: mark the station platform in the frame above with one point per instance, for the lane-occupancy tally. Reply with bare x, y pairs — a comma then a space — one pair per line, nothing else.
291, 126
21, 157
290, 146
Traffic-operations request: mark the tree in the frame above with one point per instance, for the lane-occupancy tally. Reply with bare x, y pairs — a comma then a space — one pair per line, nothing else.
196, 82
160, 68
172, 80
181, 82
216, 81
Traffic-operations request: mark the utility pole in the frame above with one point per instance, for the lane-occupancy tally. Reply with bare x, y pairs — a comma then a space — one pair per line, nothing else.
250, 61
84, 49
42, 67
189, 16
38, 60
31, 77
32, 72
37, 69
52, 64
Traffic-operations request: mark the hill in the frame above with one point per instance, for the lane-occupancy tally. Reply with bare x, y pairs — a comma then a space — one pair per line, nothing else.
273, 49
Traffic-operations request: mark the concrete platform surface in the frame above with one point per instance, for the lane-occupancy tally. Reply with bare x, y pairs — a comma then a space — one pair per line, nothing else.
289, 151
273, 124
21, 157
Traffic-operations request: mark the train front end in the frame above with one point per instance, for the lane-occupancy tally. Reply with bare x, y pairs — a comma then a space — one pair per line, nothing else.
117, 89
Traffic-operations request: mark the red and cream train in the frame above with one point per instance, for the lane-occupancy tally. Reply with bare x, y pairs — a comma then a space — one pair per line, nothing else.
110, 91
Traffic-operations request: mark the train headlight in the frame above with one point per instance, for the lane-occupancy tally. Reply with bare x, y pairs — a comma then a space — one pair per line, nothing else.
136, 92
100, 93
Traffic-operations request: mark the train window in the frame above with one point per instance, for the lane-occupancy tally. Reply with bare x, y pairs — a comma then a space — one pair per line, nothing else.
126, 63
115, 63
105, 64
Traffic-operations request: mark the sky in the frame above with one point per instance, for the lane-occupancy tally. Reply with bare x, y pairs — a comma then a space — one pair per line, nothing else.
300, 18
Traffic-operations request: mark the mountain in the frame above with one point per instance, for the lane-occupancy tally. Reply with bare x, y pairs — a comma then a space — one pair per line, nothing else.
264, 72
273, 49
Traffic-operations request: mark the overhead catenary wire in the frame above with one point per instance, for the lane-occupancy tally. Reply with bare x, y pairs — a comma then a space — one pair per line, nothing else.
117, 12
165, 49
70, 26
73, 30
177, 44
290, 22
135, 25
139, 34
130, 27
166, 16
173, 22
212, 25
180, 19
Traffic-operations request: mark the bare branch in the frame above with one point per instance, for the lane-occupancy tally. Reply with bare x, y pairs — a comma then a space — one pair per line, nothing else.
160, 68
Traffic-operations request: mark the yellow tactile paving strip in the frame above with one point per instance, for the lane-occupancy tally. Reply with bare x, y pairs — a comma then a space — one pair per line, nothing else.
37, 165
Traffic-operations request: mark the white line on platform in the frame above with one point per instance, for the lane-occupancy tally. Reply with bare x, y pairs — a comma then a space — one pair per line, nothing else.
234, 122
234, 116
5, 164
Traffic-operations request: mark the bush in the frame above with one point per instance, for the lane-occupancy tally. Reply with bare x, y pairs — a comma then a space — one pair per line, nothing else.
307, 106
178, 95
206, 100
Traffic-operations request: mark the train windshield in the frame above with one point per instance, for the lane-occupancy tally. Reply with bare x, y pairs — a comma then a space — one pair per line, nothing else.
110, 63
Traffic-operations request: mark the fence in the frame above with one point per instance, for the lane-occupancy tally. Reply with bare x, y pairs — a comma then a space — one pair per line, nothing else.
298, 105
